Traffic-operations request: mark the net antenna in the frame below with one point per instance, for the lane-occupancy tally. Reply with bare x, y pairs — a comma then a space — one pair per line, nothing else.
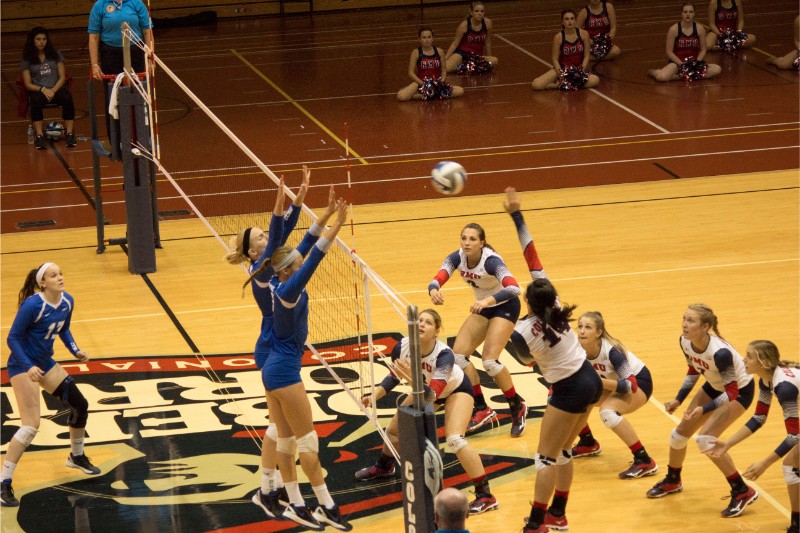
342, 290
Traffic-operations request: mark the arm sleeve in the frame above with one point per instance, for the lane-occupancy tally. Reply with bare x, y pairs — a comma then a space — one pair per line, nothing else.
528, 248
276, 239
449, 266
290, 290
22, 321
444, 367
66, 337
96, 18
762, 407
290, 217
498, 269
627, 380
144, 17
723, 359
688, 384
787, 396
309, 239
519, 350
391, 381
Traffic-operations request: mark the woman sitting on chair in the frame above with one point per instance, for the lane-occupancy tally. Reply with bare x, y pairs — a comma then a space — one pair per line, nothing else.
45, 80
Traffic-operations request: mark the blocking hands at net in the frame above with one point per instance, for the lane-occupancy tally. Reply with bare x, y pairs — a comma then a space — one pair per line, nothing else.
472, 40
686, 49
45, 311
428, 73
289, 406
627, 385
725, 395
781, 378
446, 386
570, 58
491, 321
256, 247
45, 79
544, 336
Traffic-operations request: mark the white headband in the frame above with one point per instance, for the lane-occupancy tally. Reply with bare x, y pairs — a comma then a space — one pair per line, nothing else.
288, 260
41, 271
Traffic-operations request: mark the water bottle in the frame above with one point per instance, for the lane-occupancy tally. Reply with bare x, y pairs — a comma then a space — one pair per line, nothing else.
30, 134
81, 138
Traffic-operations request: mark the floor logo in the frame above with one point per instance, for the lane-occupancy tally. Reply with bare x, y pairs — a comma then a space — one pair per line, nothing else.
178, 439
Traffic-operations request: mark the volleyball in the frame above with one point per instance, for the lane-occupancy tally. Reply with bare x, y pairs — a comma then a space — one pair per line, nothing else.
54, 130
448, 177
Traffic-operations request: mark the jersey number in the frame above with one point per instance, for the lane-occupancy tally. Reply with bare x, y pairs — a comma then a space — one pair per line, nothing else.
53, 330
551, 336
471, 283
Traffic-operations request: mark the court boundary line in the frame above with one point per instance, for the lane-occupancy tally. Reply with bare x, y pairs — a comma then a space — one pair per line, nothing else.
595, 91
463, 288
297, 105
369, 182
775, 503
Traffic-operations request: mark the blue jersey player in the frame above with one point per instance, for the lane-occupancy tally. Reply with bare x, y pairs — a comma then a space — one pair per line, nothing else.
272, 493
288, 402
43, 315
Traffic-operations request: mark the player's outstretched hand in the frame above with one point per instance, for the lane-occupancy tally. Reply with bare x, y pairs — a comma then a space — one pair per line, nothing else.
513, 200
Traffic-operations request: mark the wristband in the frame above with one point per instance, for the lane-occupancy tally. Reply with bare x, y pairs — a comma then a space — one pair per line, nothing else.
41, 88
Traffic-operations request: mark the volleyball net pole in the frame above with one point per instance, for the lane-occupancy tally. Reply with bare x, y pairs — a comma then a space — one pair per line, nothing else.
420, 462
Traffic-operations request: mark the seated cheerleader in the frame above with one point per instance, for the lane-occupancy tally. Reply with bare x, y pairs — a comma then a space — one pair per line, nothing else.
445, 385
790, 61
471, 49
428, 71
600, 19
725, 23
686, 48
570, 59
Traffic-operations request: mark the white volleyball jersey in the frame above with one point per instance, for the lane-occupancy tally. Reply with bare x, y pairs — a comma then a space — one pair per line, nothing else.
558, 355
439, 364
703, 363
488, 278
607, 369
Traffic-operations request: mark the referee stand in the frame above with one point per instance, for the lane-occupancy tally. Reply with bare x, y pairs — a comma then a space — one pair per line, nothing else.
420, 462
139, 173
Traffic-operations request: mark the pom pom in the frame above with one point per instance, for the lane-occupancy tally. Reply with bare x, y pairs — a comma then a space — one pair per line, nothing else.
730, 40
572, 78
692, 69
796, 62
474, 65
435, 89
601, 45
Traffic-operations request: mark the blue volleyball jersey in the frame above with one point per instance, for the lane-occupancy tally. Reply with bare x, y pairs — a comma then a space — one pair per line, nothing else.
34, 331
290, 323
280, 228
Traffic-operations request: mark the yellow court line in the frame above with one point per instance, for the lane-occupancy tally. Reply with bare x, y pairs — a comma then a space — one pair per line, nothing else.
762, 51
466, 156
299, 107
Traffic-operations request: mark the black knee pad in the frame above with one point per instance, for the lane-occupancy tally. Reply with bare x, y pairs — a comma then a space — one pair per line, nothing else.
71, 397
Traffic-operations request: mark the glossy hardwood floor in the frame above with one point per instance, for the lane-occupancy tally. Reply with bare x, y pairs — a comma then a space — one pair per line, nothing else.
637, 252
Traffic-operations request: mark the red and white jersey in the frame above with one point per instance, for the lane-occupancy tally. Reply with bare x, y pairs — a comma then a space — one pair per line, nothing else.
597, 24
606, 369
558, 354
704, 363
727, 18
490, 277
437, 365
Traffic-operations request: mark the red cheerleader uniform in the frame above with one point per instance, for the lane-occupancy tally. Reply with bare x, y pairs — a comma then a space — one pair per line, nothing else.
571, 53
687, 46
